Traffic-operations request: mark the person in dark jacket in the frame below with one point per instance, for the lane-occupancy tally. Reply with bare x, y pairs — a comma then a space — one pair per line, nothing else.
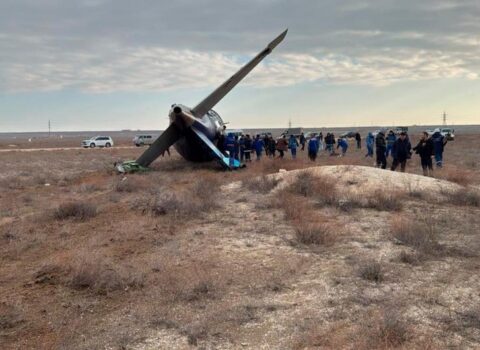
221, 141
358, 138
258, 145
303, 140
424, 149
248, 148
236, 152
272, 146
313, 147
390, 140
230, 147
380, 148
401, 152
439, 142
241, 144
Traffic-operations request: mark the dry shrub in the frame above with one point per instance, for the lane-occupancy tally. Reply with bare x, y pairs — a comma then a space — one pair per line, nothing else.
80, 211
262, 184
99, 275
470, 318
386, 331
464, 197
409, 258
10, 317
48, 274
385, 201
420, 235
303, 184
458, 175
127, 185
371, 271
315, 234
205, 186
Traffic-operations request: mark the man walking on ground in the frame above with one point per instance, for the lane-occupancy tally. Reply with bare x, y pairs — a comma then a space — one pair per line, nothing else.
401, 152
381, 148
248, 148
439, 142
313, 147
302, 141
424, 149
230, 147
282, 146
258, 145
293, 144
370, 140
390, 139
358, 138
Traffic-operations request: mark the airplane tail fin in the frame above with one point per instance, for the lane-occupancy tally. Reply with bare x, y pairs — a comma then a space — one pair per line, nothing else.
211, 100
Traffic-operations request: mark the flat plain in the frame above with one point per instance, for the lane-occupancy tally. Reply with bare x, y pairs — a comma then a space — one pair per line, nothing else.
285, 254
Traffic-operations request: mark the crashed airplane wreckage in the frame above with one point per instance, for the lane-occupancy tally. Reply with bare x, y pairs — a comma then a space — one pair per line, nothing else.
194, 132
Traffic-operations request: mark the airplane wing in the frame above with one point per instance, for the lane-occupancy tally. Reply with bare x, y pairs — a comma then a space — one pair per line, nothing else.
165, 140
211, 100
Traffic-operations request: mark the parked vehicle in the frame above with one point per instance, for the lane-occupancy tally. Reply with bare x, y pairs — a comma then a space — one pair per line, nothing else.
401, 129
98, 141
349, 134
141, 140
235, 132
293, 131
448, 133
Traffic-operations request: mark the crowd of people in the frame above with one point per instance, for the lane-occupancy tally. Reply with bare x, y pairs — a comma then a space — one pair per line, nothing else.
383, 144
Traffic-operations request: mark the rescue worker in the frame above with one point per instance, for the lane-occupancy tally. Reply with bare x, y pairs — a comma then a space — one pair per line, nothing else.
390, 140
236, 153
293, 144
313, 147
401, 152
381, 148
439, 142
241, 143
342, 142
230, 147
424, 149
258, 145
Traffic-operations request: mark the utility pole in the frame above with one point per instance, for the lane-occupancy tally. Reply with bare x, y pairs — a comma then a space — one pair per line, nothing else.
49, 128
289, 123
444, 118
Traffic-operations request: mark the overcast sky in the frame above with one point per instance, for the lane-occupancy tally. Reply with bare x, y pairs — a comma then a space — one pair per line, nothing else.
117, 64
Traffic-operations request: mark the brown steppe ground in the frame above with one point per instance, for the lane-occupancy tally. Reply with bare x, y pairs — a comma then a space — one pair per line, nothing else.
188, 256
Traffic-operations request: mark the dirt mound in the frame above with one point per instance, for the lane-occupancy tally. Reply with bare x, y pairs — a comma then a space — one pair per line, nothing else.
362, 178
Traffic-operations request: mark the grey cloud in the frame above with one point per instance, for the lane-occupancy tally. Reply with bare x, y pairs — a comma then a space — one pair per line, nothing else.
106, 45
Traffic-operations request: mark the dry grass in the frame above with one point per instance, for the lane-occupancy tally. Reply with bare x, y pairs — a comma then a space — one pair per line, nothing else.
80, 211
420, 234
262, 184
464, 197
461, 176
371, 271
315, 234
99, 275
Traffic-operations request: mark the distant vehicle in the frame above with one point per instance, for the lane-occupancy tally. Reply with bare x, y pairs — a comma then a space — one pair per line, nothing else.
311, 135
349, 134
98, 141
401, 129
293, 131
448, 133
140, 140
265, 134
235, 132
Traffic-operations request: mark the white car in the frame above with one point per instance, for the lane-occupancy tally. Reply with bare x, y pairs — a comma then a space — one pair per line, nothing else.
140, 140
98, 141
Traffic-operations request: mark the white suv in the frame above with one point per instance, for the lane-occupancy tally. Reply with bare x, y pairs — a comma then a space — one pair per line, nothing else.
141, 140
98, 141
